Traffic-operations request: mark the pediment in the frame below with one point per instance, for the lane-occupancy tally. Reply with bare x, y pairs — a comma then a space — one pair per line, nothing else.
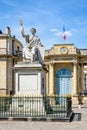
62, 49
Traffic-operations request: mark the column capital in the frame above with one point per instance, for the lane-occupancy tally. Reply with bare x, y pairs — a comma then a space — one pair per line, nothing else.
52, 62
75, 62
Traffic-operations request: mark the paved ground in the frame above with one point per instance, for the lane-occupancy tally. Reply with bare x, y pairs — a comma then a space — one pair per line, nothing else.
40, 125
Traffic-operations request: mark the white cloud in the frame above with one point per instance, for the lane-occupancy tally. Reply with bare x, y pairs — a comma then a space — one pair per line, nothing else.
68, 33
53, 30
59, 33
49, 42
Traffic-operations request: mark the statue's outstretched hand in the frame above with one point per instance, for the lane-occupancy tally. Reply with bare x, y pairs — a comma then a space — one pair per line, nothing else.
22, 29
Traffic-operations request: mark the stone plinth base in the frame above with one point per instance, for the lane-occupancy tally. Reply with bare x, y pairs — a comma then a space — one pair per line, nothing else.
75, 100
30, 79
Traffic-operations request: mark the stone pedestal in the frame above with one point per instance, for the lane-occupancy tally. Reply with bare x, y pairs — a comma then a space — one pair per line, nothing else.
30, 79
30, 86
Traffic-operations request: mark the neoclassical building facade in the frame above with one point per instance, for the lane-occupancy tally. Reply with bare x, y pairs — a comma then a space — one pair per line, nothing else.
67, 72
66, 64
10, 54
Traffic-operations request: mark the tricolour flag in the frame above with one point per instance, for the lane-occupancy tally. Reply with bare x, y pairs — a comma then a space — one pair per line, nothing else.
64, 35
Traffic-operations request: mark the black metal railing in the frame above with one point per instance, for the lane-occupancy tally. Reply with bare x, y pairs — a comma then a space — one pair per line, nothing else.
40, 107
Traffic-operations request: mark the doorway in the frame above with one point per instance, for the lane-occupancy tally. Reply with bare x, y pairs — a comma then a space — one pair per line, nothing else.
63, 82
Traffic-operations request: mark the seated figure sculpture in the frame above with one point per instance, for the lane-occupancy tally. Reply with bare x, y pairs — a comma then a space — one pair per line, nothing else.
33, 51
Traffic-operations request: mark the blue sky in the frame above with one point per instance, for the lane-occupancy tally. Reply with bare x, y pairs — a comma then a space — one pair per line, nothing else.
48, 17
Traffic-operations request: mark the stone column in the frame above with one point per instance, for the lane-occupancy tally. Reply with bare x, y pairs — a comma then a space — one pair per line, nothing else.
47, 80
75, 79
81, 85
75, 100
51, 79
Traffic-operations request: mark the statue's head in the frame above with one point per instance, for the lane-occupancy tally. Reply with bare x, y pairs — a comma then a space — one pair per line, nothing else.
33, 30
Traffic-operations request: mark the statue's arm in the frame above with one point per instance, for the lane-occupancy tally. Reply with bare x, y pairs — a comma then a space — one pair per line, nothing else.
25, 36
22, 32
22, 29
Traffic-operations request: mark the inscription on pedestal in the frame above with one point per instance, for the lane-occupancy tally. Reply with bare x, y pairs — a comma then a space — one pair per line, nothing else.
27, 82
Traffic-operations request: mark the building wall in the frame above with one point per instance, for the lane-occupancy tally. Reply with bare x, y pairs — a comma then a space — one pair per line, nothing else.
2, 46
72, 58
9, 75
3, 73
8, 46
59, 56
17, 47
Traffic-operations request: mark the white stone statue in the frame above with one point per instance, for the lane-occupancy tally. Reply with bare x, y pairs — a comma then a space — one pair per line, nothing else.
33, 51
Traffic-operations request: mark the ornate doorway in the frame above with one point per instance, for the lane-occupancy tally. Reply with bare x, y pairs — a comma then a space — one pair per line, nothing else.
63, 82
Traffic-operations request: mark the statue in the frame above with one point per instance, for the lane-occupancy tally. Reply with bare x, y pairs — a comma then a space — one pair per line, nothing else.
33, 51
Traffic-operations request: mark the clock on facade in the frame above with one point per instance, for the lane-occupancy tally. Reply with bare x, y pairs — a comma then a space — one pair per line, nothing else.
64, 50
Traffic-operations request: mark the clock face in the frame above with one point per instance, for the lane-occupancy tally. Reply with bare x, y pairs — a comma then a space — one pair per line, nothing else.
64, 50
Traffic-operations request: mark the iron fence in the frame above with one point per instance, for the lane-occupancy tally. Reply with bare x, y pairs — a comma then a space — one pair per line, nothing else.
35, 107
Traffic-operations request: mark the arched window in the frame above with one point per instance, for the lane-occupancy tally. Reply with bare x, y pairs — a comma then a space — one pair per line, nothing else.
63, 82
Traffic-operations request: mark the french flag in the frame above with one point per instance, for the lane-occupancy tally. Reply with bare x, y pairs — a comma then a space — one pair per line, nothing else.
64, 35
